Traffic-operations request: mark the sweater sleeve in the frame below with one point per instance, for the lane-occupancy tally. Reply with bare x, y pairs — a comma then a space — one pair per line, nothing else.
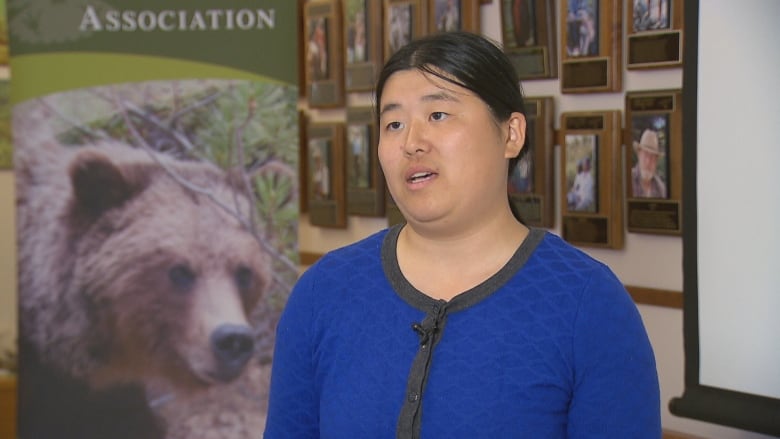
616, 392
293, 408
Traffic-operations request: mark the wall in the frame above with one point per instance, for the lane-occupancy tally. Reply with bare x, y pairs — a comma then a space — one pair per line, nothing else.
647, 260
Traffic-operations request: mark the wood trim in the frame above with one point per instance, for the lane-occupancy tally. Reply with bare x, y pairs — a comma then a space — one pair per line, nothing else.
670, 434
309, 258
641, 295
8, 407
653, 296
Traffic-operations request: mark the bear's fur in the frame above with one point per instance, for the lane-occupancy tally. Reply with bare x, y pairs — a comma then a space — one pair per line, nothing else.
129, 275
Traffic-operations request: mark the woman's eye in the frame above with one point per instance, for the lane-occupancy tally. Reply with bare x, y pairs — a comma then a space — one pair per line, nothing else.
392, 126
438, 115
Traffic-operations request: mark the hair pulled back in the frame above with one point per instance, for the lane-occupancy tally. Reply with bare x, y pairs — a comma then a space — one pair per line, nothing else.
467, 60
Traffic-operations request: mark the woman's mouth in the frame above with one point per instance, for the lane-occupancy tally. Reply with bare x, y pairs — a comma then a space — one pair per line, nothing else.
420, 176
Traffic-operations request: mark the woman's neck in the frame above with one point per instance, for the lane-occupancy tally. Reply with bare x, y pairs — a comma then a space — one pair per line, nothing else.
445, 265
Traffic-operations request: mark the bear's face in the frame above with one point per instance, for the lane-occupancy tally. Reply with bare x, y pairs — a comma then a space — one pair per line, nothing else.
167, 274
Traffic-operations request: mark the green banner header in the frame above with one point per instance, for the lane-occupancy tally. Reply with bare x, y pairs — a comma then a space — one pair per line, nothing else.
255, 37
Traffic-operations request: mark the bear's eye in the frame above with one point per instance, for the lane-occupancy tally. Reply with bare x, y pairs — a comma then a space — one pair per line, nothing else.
244, 278
181, 277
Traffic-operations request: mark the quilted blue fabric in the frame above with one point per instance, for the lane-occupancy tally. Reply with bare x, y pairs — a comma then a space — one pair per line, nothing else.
551, 347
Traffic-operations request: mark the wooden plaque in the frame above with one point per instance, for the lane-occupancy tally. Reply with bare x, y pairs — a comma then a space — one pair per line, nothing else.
655, 35
326, 194
531, 182
365, 181
654, 161
404, 21
362, 44
591, 181
591, 46
322, 52
528, 31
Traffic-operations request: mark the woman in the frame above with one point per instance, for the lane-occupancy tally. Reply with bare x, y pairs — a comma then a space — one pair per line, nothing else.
462, 322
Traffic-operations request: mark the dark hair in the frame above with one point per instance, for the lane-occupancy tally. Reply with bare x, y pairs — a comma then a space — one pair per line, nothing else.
467, 60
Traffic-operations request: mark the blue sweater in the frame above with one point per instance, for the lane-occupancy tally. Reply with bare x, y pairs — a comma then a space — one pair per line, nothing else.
550, 347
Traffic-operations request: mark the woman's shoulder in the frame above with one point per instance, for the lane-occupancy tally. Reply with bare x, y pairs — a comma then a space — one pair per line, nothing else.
554, 249
340, 266
358, 253
338, 280
569, 266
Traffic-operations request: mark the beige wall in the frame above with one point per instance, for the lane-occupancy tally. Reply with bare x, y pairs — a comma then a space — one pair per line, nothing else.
647, 260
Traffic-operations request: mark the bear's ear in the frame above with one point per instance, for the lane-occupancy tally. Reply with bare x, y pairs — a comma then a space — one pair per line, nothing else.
98, 183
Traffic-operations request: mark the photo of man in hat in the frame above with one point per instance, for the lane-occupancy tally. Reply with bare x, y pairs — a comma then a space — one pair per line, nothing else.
646, 181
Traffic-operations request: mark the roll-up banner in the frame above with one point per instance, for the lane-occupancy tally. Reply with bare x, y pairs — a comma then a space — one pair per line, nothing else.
155, 147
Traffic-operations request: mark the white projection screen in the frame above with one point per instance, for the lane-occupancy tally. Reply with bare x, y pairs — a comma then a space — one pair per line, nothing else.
731, 241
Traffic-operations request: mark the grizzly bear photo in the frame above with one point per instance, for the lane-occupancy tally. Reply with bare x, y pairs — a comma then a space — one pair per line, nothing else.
138, 276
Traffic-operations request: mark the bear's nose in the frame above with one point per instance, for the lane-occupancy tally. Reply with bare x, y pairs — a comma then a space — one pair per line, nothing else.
232, 345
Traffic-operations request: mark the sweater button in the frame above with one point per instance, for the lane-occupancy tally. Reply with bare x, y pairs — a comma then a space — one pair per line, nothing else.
413, 397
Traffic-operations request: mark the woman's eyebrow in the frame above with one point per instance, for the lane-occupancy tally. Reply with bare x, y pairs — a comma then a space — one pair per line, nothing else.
388, 107
433, 97
440, 96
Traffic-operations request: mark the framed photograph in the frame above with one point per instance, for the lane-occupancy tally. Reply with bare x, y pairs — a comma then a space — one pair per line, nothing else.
451, 15
404, 20
655, 37
325, 186
649, 156
528, 33
323, 51
591, 179
591, 46
581, 171
531, 181
365, 182
654, 161
362, 43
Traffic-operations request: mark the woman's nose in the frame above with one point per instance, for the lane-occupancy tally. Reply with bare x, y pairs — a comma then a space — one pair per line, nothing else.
416, 140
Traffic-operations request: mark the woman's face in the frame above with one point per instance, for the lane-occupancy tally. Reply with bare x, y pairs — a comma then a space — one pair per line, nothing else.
443, 154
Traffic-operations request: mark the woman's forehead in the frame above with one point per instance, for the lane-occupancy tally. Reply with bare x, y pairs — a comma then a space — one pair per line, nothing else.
423, 82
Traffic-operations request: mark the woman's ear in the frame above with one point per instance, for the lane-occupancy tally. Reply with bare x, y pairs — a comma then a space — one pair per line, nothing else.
515, 138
